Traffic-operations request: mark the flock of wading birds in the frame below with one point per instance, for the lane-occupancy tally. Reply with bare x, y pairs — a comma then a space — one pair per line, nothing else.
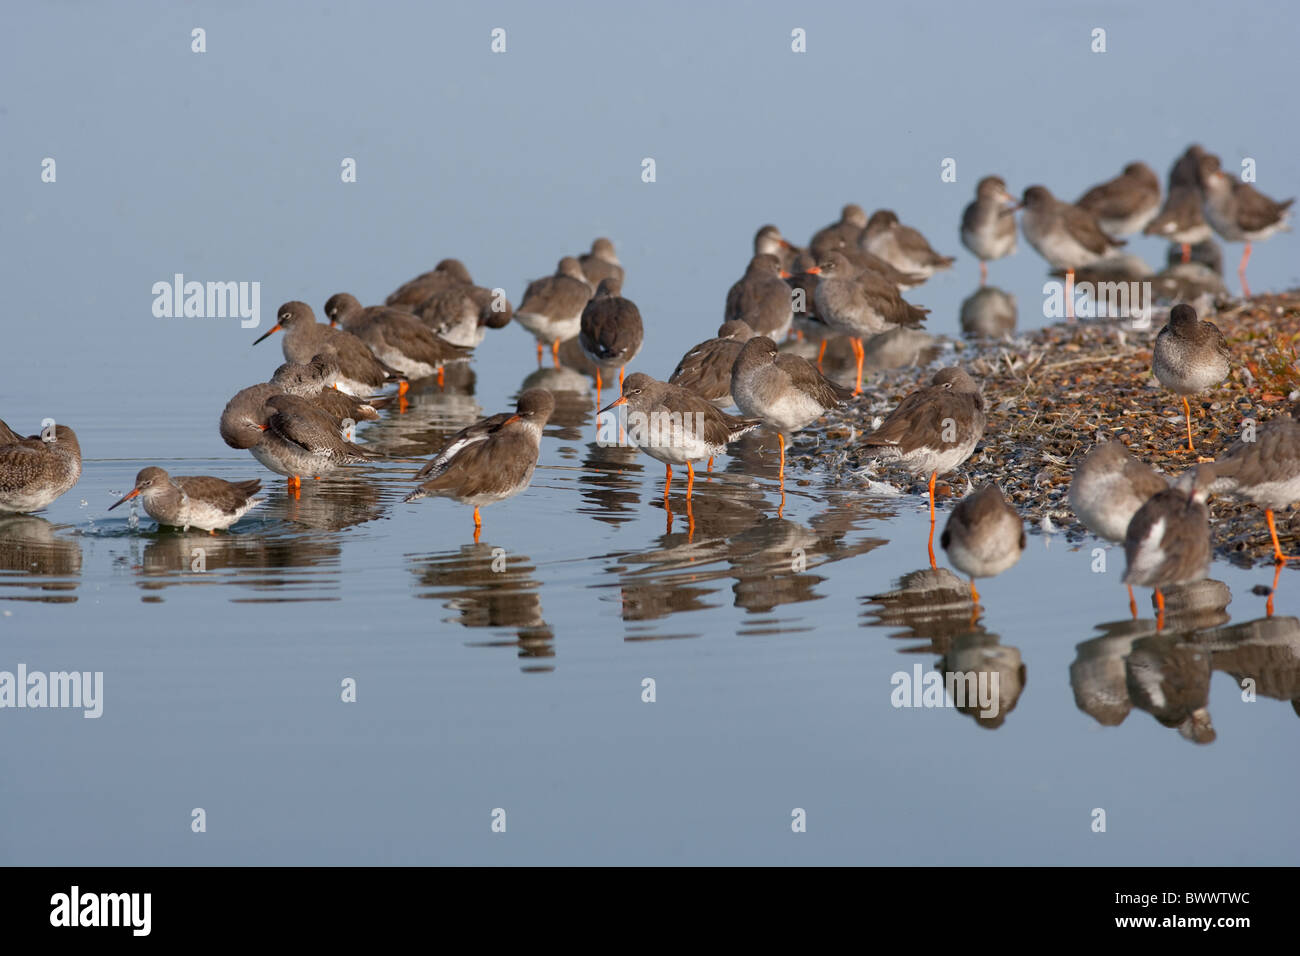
847, 282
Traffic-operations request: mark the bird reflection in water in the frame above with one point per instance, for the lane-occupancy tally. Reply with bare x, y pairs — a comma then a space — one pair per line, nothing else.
37, 562
488, 587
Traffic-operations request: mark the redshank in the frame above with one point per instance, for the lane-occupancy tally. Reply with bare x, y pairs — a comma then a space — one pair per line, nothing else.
858, 304
1266, 470
1066, 236
398, 339
601, 263
360, 372
1168, 541
846, 232
988, 226
1124, 205
610, 332
37, 469
192, 501
491, 460
768, 241
762, 299
676, 426
933, 430
300, 438
901, 246
984, 535
462, 315
1190, 356
1238, 211
447, 274
1180, 219
552, 307
706, 369
785, 392
1108, 488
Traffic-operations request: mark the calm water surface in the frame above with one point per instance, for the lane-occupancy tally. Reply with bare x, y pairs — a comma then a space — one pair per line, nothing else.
509, 673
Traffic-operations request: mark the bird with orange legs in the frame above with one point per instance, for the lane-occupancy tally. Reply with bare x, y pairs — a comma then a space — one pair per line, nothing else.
552, 307
1168, 541
785, 392
1265, 470
1238, 211
610, 333
1067, 236
1190, 356
859, 303
491, 460
675, 426
983, 537
1106, 491
932, 431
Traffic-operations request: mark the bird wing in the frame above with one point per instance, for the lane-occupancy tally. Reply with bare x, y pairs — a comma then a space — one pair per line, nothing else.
226, 495
1255, 211
804, 376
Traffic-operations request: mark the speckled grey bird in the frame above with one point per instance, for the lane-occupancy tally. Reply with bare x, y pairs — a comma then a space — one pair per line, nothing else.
192, 501
398, 338
706, 368
491, 460
33, 471
901, 246
933, 430
1168, 541
552, 306
1108, 488
1180, 219
785, 392
761, 299
601, 263
1238, 211
1190, 356
1265, 470
447, 274
610, 333
984, 535
988, 225
1124, 205
360, 372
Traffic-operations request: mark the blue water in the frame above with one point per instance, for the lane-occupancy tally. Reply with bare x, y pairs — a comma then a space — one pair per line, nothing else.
520, 687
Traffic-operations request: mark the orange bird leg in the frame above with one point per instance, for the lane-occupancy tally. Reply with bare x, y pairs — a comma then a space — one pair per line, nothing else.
710, 468
1187, 252
555, 353
442, 377
620, 379
974, 595
539, 354
1069, 295
1241, 272
933, 475
1278, 555
478, 524
1277, 573
781, 439
859, 353
1187, 409
690, 480
1160, 605
1132, 603
668, 482
403, 387
690, 519
821, 353
984, 272
598, 384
